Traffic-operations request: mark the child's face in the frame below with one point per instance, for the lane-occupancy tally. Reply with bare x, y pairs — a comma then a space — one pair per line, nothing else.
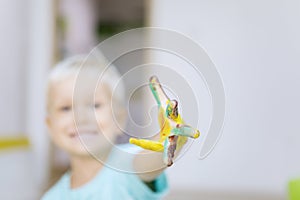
87, 125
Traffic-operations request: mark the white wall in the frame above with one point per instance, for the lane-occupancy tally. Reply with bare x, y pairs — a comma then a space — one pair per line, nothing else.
13, 40
26, 54
255, 46
40, 59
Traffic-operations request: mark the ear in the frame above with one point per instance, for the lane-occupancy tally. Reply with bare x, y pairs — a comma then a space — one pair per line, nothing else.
48, 123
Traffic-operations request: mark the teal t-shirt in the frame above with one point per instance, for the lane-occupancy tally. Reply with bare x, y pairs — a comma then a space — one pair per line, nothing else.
109, 183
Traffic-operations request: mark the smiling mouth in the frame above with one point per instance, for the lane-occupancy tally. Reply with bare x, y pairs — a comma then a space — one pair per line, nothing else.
83, 134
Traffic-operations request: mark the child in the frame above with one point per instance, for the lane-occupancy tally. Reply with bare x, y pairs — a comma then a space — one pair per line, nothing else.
82, 115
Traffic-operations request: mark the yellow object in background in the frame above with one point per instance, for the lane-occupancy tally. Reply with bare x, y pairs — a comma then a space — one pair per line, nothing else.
294, 189
8, 142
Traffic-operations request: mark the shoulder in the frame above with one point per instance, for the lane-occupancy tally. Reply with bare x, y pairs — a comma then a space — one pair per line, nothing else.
59, 189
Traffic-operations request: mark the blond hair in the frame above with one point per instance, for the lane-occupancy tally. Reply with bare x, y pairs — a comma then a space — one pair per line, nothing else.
109, 74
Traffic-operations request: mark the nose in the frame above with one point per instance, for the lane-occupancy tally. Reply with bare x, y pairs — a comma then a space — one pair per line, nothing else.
83, 116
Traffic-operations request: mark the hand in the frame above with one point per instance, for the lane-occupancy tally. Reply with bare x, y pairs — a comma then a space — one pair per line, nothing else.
173, 131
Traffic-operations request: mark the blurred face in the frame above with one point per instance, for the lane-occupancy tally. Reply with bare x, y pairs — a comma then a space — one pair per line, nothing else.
81, 122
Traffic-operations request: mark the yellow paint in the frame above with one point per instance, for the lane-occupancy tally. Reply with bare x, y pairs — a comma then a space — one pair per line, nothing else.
148, 144
8, 142
197, 134
178, 120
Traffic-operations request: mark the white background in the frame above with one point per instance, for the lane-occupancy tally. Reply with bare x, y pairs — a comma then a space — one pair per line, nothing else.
255, 46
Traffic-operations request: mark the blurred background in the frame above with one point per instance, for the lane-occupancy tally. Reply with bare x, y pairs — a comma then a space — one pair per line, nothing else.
255, 46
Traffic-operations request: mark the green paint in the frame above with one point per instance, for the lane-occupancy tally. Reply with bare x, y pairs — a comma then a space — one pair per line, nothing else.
155, 94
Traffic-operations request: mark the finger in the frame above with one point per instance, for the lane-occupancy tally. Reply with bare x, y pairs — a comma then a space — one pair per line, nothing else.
170, 148
187, 131
158, 92
147, 144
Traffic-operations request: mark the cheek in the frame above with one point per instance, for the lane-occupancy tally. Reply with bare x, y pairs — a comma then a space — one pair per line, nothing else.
105, 119
60, 122
55, 131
